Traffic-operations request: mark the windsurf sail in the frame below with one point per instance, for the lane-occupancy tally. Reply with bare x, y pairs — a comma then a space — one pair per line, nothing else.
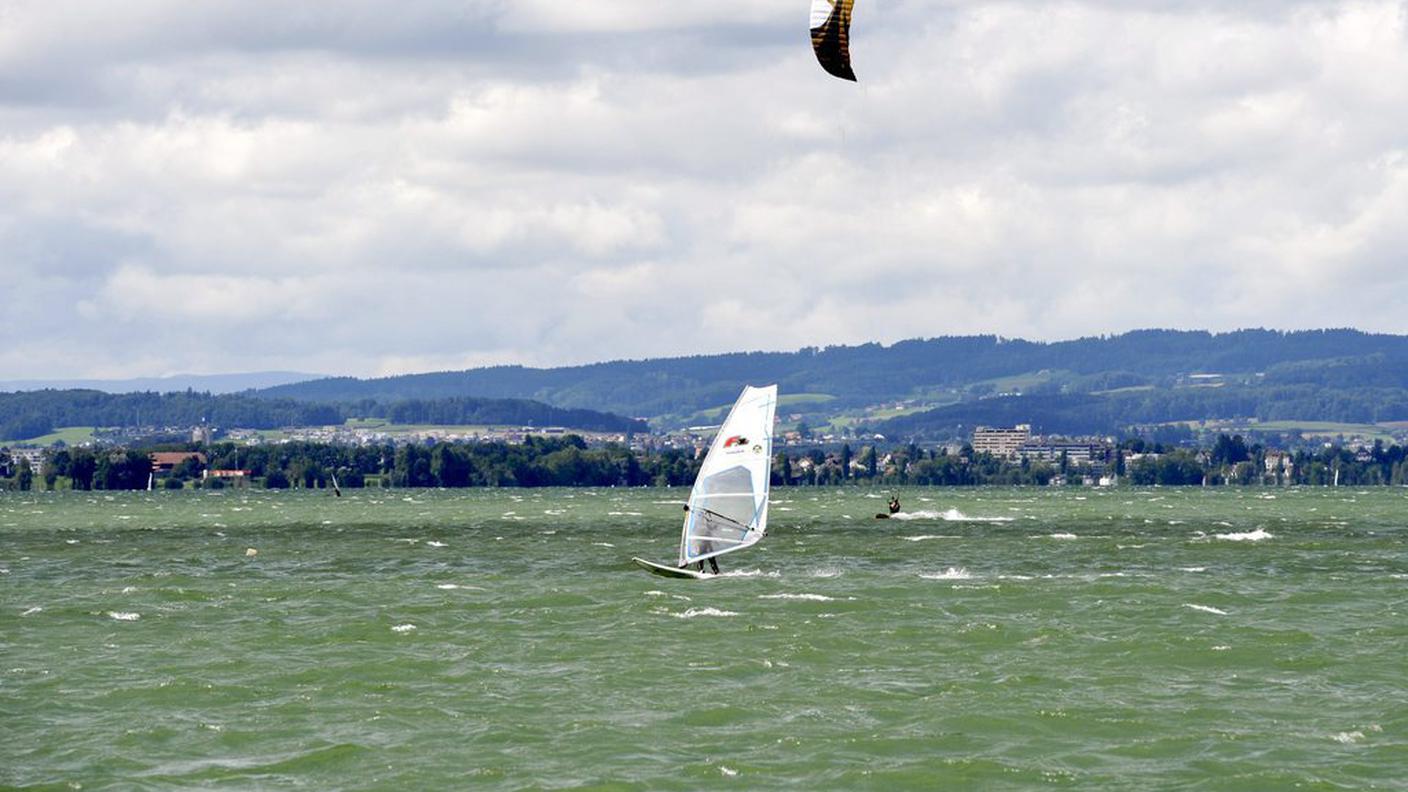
728, 507
831, 36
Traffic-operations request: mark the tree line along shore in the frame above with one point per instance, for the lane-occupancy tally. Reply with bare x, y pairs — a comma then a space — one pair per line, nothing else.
570, 462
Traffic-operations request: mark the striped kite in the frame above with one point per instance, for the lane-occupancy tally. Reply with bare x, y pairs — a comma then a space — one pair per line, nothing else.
831, 34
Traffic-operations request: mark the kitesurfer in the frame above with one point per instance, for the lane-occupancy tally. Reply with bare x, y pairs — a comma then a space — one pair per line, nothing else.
894, 504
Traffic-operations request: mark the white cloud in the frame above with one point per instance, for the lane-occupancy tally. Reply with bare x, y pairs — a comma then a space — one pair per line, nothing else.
344, 188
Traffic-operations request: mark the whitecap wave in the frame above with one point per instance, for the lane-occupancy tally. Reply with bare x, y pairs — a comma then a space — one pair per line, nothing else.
403, 628
926, 537
808, 597
747, 573
1205, 608
952, 573
433, 543
124, 615
1061, 536
32, 611
949, 515
1248, 536
693, 612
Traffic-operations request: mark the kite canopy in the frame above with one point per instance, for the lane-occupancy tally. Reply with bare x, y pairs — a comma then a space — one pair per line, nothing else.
831, 36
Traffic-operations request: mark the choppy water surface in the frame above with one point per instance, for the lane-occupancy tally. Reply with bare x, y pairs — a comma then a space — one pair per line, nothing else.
1233, 639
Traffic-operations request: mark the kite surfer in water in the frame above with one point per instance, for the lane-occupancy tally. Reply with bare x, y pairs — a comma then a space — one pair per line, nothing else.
894, 504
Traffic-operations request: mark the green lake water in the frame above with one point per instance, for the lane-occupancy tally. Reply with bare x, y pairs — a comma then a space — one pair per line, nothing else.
994, 639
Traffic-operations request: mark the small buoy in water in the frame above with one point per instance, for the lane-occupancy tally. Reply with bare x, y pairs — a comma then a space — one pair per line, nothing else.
251, 553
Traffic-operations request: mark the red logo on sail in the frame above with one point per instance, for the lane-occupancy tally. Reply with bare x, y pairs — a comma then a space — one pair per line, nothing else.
736, 440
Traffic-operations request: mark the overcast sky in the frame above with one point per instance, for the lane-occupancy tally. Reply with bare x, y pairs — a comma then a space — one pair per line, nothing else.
374, 188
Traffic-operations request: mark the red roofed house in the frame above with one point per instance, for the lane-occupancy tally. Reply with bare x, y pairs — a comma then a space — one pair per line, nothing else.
166, 461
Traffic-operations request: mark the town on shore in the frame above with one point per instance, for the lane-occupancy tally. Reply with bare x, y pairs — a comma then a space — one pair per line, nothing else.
556, 457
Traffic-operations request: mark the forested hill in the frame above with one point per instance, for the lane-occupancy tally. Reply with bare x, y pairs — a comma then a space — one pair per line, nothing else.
917, 369
36, 413
932, 388
1114, 413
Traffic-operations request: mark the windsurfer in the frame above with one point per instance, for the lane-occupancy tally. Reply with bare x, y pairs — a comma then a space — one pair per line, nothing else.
706, 547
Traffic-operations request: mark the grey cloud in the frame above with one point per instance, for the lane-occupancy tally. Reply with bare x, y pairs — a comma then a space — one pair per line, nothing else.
341, 188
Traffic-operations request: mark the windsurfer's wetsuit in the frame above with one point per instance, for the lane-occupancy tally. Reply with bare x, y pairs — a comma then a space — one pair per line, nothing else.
712, 563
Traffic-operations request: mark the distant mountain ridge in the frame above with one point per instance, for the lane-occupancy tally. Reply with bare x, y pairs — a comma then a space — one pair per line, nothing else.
914, 369
923, 388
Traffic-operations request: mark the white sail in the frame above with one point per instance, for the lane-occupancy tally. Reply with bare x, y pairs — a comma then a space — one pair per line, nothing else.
728, 507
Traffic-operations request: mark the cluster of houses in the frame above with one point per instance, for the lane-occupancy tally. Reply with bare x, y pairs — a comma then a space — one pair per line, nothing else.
1094, 457
369, 435
165, 463
18, 456
1018, 443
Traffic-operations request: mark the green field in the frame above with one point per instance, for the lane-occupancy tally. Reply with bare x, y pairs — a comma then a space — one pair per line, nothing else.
1020, 383
1326, 429
792, 399
714, 415
70, 435
875, 414
1329, 430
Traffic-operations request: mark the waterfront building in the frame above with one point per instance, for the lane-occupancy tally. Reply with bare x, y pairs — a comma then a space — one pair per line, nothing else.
34, 456
1001, 442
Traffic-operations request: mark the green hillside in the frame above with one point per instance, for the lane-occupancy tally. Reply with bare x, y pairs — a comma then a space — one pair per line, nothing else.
929, 389
934, 386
